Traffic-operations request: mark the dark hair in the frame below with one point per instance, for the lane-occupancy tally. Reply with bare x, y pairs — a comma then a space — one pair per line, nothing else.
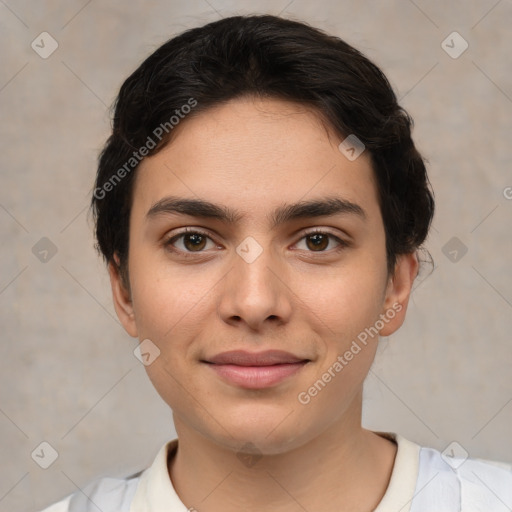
263, 56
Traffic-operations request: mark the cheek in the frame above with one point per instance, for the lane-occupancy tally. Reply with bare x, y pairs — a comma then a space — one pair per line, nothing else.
345, 300
172, 309
165, 298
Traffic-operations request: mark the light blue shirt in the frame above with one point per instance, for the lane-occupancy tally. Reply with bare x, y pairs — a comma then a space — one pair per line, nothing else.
422, 480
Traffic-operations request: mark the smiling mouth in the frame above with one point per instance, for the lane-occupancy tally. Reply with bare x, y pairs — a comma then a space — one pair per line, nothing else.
255, 370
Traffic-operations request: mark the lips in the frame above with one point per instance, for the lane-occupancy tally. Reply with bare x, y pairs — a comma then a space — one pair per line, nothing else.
255, 370
243, 358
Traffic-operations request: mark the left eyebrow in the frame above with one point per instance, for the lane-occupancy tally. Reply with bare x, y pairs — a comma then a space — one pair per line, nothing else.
323, 207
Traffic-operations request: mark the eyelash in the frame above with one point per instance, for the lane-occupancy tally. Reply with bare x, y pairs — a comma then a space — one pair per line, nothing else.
188, 254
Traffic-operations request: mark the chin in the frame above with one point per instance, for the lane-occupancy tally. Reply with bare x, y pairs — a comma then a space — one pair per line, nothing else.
268, 432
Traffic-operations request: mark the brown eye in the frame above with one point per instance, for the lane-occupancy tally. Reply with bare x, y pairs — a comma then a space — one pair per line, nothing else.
192, 241
319, 241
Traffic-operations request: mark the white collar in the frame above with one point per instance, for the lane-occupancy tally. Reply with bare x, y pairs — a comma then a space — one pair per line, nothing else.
404, 476
155, 488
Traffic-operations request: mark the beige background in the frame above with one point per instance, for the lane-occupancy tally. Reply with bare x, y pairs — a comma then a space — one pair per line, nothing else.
68, 373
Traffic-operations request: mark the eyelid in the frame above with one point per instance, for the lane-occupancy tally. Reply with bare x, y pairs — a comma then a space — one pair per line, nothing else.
168, 241
342, 243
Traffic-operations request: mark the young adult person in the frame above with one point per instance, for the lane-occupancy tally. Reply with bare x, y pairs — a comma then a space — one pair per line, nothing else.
261, 207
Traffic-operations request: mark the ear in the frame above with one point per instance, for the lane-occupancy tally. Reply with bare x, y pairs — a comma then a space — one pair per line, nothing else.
122, 299
398, 292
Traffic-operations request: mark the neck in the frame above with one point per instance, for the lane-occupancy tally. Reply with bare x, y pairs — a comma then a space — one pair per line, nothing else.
345, 468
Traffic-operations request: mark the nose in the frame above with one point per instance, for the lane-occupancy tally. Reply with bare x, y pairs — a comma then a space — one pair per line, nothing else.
255, 292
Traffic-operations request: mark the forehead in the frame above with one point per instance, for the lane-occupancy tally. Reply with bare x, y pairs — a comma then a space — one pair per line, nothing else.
254, 155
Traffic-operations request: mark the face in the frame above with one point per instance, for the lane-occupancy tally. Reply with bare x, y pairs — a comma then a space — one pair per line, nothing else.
257, 273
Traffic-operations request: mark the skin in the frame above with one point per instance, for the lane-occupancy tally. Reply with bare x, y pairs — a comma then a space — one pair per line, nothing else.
254, 155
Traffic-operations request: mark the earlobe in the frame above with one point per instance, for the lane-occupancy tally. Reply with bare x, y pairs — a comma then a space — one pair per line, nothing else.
398, 292
122, 300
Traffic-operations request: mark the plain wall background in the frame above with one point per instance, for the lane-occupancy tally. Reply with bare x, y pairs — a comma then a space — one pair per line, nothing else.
68, 373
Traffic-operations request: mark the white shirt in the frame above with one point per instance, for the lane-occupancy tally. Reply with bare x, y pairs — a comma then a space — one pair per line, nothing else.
422, 480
